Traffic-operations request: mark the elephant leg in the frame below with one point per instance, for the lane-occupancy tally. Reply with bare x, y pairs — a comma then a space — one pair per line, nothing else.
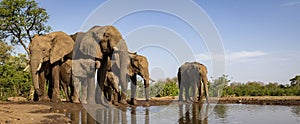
200, 92
109, 94
91, 89
180, 93
66, 91
55, 81
133, 89
122, 74
115, 97
194, 92
42, 91
76, 85
205, 87
83, 97
74, 93
206, 92
147, 90
187, 91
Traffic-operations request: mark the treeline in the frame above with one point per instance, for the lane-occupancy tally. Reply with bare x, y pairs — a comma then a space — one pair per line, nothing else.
260, 89
220, 87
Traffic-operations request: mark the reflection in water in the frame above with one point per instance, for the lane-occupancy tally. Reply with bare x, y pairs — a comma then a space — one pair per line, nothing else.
188, 113
296, 110
221, 112
198, 114
107, 116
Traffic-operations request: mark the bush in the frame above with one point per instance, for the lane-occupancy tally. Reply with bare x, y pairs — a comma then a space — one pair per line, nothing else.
14, 81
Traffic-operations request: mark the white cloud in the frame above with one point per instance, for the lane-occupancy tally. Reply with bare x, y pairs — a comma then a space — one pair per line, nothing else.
203, 57
244, 55
291, 4
240, 56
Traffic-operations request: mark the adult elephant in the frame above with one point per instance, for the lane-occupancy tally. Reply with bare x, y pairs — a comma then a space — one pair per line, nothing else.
191, 75
138, 66
46, 53
99, 43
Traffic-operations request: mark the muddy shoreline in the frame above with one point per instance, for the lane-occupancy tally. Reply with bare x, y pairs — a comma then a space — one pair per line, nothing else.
48, 112
263, 100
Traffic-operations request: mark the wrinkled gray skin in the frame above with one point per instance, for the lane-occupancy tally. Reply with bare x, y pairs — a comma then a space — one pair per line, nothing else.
98, 44
46, 53
138, 66
190, 75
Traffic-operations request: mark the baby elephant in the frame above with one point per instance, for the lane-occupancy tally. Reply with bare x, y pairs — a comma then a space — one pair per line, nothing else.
66, 81
111, 87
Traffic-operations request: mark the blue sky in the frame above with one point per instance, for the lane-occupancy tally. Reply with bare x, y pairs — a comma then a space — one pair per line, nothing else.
260, 38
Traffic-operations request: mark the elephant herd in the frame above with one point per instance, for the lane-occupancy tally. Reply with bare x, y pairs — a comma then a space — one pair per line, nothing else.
93, 67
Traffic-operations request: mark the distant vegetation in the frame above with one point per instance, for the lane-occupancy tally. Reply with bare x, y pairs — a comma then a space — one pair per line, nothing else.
221, 87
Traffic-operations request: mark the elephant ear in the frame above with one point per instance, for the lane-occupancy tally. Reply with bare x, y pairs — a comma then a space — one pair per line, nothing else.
62, 45
89, 43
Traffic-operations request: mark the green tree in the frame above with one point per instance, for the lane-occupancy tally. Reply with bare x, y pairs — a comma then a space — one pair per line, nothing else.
20, 20
295, 81
218, 84
156, 89
5, 52
13, 80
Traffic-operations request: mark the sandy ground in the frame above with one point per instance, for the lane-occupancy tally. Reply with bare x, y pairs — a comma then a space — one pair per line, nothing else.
47, 112
28, 113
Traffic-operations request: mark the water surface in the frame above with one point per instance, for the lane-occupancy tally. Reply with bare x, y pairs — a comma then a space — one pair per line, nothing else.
191, 113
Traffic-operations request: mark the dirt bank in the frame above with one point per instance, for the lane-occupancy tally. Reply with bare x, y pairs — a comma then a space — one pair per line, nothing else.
47, 112
260, 100
28, 113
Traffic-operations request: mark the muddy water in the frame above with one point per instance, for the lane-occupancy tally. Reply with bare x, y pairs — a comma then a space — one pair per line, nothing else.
189, 114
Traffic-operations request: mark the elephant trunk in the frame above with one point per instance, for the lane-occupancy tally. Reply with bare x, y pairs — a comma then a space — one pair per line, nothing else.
35, 67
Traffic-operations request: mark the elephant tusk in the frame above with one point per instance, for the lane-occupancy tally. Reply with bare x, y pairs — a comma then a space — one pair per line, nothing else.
134, 53
115, 49
26, 68
39, 67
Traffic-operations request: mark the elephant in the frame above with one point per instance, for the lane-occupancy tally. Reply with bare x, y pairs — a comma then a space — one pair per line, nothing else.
190, 75
98, 44
111, 86
46, 53
138, 66
67, 81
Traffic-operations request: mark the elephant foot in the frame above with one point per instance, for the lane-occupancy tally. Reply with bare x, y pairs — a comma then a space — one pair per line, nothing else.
146, 104
115, 103
44, 99
83, 102
189, 101
75, 100
91, 102
123, 101
132, 101
55, 100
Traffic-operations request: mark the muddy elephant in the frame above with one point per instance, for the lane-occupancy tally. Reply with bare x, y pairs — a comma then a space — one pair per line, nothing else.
138, 66
46, 54
192, 75
98, 44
